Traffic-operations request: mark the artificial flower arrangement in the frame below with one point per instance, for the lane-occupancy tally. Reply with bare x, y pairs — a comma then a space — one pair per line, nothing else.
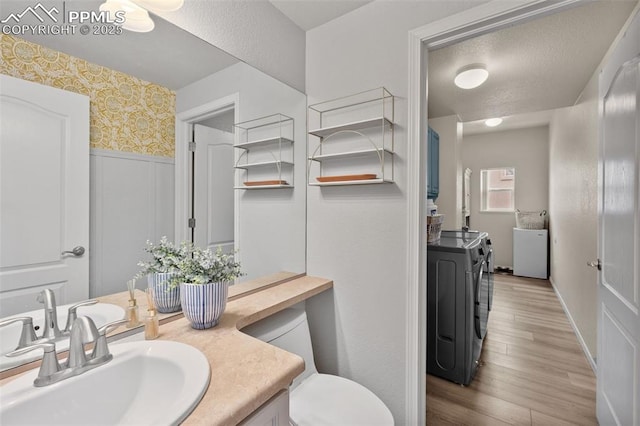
190, 278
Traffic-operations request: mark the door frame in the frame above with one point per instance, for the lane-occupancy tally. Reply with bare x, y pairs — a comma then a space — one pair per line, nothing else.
182, 157
470, 23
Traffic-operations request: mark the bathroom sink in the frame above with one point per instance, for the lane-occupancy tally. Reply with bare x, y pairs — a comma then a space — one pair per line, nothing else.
100, 313
146, 383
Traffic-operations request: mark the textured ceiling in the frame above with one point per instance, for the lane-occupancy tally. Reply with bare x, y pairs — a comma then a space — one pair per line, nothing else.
168, 55
308, 14
540, 65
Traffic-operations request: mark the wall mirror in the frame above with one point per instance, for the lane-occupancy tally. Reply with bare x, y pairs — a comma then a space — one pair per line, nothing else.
149, 93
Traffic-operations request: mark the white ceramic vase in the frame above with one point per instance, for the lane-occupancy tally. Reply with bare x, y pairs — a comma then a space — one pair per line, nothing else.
203, 304
166, 299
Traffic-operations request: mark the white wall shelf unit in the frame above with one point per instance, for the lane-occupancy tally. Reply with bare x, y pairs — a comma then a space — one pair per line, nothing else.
265, 158
352, 140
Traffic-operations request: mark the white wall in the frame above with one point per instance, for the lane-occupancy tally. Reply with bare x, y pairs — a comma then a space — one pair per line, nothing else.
573, 197
132, 201
449, 200
528, 151
253, 31
271, 221
357, 235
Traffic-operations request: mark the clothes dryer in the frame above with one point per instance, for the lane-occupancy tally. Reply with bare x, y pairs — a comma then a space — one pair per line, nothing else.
488, 255
457, 306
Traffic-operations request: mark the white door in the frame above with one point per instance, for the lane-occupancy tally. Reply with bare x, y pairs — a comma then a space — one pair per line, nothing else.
214, 193
44, 194
618, 389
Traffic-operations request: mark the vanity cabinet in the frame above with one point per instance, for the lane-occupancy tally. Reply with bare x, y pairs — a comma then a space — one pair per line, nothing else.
351, 141
433, 164
265, 152
274, 412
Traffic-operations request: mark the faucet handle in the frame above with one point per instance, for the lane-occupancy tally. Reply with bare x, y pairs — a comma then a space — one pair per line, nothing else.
114, 324
27, 335
50, 364
72, 314
101, 349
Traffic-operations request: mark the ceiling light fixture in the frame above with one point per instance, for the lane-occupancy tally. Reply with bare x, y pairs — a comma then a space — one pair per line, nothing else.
471, 76
136, 17
160, 5
493, 122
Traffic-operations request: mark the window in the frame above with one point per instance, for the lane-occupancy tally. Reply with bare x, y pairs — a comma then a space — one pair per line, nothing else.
497, 190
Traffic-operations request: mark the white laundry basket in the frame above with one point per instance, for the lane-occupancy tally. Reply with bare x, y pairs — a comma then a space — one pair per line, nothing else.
531, 220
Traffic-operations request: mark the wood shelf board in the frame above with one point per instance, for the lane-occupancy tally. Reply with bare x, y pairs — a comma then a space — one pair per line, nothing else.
263, 187
351, 182
354, 125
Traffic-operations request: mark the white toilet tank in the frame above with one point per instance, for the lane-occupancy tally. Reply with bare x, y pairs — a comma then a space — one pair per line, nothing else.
288, 330
318, 399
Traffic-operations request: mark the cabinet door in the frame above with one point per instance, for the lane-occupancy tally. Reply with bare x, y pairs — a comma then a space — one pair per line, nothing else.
274, 412
433, 154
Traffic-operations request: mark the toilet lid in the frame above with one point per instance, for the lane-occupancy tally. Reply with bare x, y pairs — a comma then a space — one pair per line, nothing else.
323, 399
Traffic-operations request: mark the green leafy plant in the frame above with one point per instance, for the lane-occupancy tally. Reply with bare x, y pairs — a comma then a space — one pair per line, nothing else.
203, 266
189, 264
164, 257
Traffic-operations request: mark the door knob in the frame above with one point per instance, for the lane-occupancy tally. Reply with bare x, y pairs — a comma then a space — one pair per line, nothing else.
595, 264
76, 251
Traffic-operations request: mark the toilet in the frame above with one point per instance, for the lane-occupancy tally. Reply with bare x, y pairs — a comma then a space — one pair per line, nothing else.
318, 399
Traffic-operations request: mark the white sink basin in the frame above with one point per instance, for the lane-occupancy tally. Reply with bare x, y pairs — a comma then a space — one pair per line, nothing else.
100, 313
146, 383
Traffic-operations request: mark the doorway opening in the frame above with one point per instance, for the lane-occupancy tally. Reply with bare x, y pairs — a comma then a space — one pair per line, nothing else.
206, 202
478, 21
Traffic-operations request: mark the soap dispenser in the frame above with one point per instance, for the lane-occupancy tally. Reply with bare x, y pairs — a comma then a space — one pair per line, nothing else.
151, 321
133, 310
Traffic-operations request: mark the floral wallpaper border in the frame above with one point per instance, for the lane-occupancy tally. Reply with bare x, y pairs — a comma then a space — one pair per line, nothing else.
127, 114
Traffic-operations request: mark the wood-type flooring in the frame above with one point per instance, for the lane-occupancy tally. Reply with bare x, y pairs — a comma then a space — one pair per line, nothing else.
532, 368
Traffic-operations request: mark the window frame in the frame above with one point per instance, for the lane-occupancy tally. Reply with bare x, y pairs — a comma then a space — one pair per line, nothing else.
508, 174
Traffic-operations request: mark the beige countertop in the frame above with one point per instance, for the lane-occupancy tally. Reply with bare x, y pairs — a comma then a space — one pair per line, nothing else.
245, 372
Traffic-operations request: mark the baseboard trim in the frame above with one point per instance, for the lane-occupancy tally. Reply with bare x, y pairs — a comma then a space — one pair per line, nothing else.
592, 362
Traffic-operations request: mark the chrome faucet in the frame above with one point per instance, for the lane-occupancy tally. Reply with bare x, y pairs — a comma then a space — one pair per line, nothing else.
51, 330
84, 331
72, 314
27, 335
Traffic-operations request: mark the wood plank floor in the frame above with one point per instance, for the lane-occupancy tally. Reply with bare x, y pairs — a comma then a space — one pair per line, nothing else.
533, 370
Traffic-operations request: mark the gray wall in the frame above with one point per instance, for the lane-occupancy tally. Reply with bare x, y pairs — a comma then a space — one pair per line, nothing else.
573, 168
132, 201
528, 151
253, 31
271, 221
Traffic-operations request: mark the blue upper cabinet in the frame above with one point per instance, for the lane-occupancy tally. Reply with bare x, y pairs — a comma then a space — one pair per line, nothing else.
433, 171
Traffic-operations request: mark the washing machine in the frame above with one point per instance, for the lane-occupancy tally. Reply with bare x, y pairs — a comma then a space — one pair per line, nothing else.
457, 306
488, 255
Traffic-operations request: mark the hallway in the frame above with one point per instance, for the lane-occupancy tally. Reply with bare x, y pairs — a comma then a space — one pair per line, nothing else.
533, 370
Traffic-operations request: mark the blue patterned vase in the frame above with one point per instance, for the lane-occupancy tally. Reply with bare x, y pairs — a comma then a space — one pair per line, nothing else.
166, 299
203, 304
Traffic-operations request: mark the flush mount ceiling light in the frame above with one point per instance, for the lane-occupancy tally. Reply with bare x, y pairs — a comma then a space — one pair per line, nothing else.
160, 5
493, 122
136, 17
471, 76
